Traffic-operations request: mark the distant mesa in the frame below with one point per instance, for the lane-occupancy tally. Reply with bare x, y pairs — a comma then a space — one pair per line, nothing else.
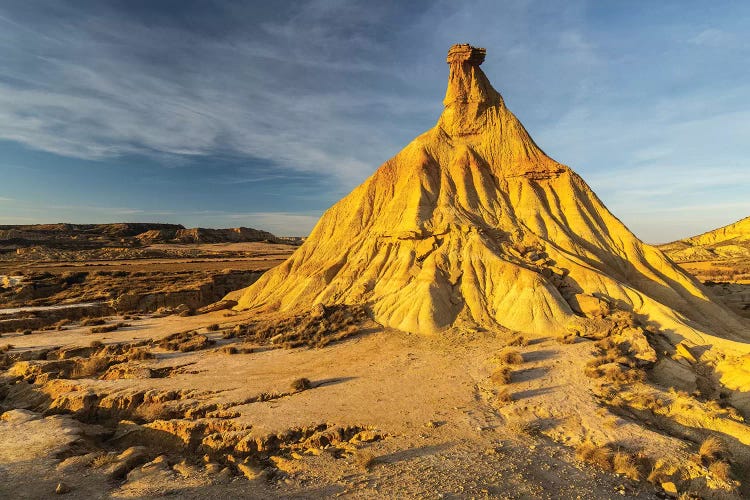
473, 226
89, 236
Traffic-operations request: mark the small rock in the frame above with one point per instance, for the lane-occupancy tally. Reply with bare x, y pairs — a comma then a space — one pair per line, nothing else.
250, 471
223, 476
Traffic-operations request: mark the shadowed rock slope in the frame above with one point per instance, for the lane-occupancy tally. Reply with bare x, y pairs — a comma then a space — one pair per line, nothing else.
473, 225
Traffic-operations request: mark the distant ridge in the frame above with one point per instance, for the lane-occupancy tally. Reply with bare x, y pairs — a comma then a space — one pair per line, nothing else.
87, 236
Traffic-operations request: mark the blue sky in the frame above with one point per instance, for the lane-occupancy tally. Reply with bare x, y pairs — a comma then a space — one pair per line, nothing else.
264, 114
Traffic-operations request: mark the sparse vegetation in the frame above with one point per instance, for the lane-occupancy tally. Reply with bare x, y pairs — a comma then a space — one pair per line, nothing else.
365, 459
96, 344
213, 327
625, 464
518, 340
93, 322
90, 367
510, 357
501, 375
301, 384
599, 455
186, 342
711, 450
504, 396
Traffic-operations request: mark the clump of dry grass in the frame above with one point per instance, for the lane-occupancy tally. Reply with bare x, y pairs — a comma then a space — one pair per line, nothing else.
325, 325
96, 344
186, 342
134, 354
212, 328
721, 469
92, 322
601, 456
301, 384
90, 367
104, 459
504, 396
711, 450
109, 328
5, 348
518, 340
568, 338
229, 349
27, 332
365, 459
510, 357
625, 464
501, 375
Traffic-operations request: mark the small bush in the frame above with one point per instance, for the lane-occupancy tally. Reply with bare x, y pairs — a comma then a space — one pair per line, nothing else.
721, 469
27, 332
138, 354
96, 344
5, 348
229, 349
623, 463
511, 357
301, 384
711, 450
103, 329
92, 322
365, 459
212, 328
518, 340
501, 376
569, 338
104, 459
504, 396
601, 456
90, 367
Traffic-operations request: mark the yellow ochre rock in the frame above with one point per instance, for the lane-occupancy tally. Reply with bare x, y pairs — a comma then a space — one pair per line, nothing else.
472, 224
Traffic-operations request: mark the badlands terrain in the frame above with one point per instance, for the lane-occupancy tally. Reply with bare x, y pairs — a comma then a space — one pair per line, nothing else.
470, 322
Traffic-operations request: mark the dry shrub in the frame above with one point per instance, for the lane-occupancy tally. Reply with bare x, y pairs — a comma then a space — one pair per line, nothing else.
501, 376
625, 464
518, 340
326, 325
104, 459
569, 338
185, 342
711, 450
27, 332
90, 367
601, 456
504, 396
134, 354
104, 329
365, 459
721, 469
511, 357
96, 344
5, 348
92, 322
301, 384
212, 328
229, 349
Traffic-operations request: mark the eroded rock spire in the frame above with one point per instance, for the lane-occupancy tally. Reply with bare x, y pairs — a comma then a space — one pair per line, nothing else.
469, 91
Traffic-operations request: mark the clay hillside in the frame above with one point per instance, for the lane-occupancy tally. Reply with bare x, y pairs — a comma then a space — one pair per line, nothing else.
473, 225
721, 259
728, 243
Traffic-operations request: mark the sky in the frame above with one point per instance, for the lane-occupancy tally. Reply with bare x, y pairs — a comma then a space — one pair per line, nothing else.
264, 114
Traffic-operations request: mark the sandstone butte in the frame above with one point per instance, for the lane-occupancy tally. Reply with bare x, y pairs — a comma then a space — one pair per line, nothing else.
473, 226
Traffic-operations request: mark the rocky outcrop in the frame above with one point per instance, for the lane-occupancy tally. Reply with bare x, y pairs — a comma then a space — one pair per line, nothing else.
472, 225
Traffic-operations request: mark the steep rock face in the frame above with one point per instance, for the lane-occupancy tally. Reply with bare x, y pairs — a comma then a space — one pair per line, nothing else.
473, 224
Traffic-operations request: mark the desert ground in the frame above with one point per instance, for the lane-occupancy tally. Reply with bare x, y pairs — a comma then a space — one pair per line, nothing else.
333, 404
470, 322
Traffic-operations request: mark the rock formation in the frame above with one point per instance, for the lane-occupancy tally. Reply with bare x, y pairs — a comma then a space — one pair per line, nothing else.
728, 242
472, 225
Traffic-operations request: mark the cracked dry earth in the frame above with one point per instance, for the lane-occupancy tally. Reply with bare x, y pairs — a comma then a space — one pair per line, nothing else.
382, 414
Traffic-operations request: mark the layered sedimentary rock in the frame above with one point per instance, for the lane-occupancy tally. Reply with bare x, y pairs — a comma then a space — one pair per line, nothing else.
473, 225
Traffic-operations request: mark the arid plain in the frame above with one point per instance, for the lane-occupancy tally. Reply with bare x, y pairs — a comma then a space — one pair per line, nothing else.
470, 322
